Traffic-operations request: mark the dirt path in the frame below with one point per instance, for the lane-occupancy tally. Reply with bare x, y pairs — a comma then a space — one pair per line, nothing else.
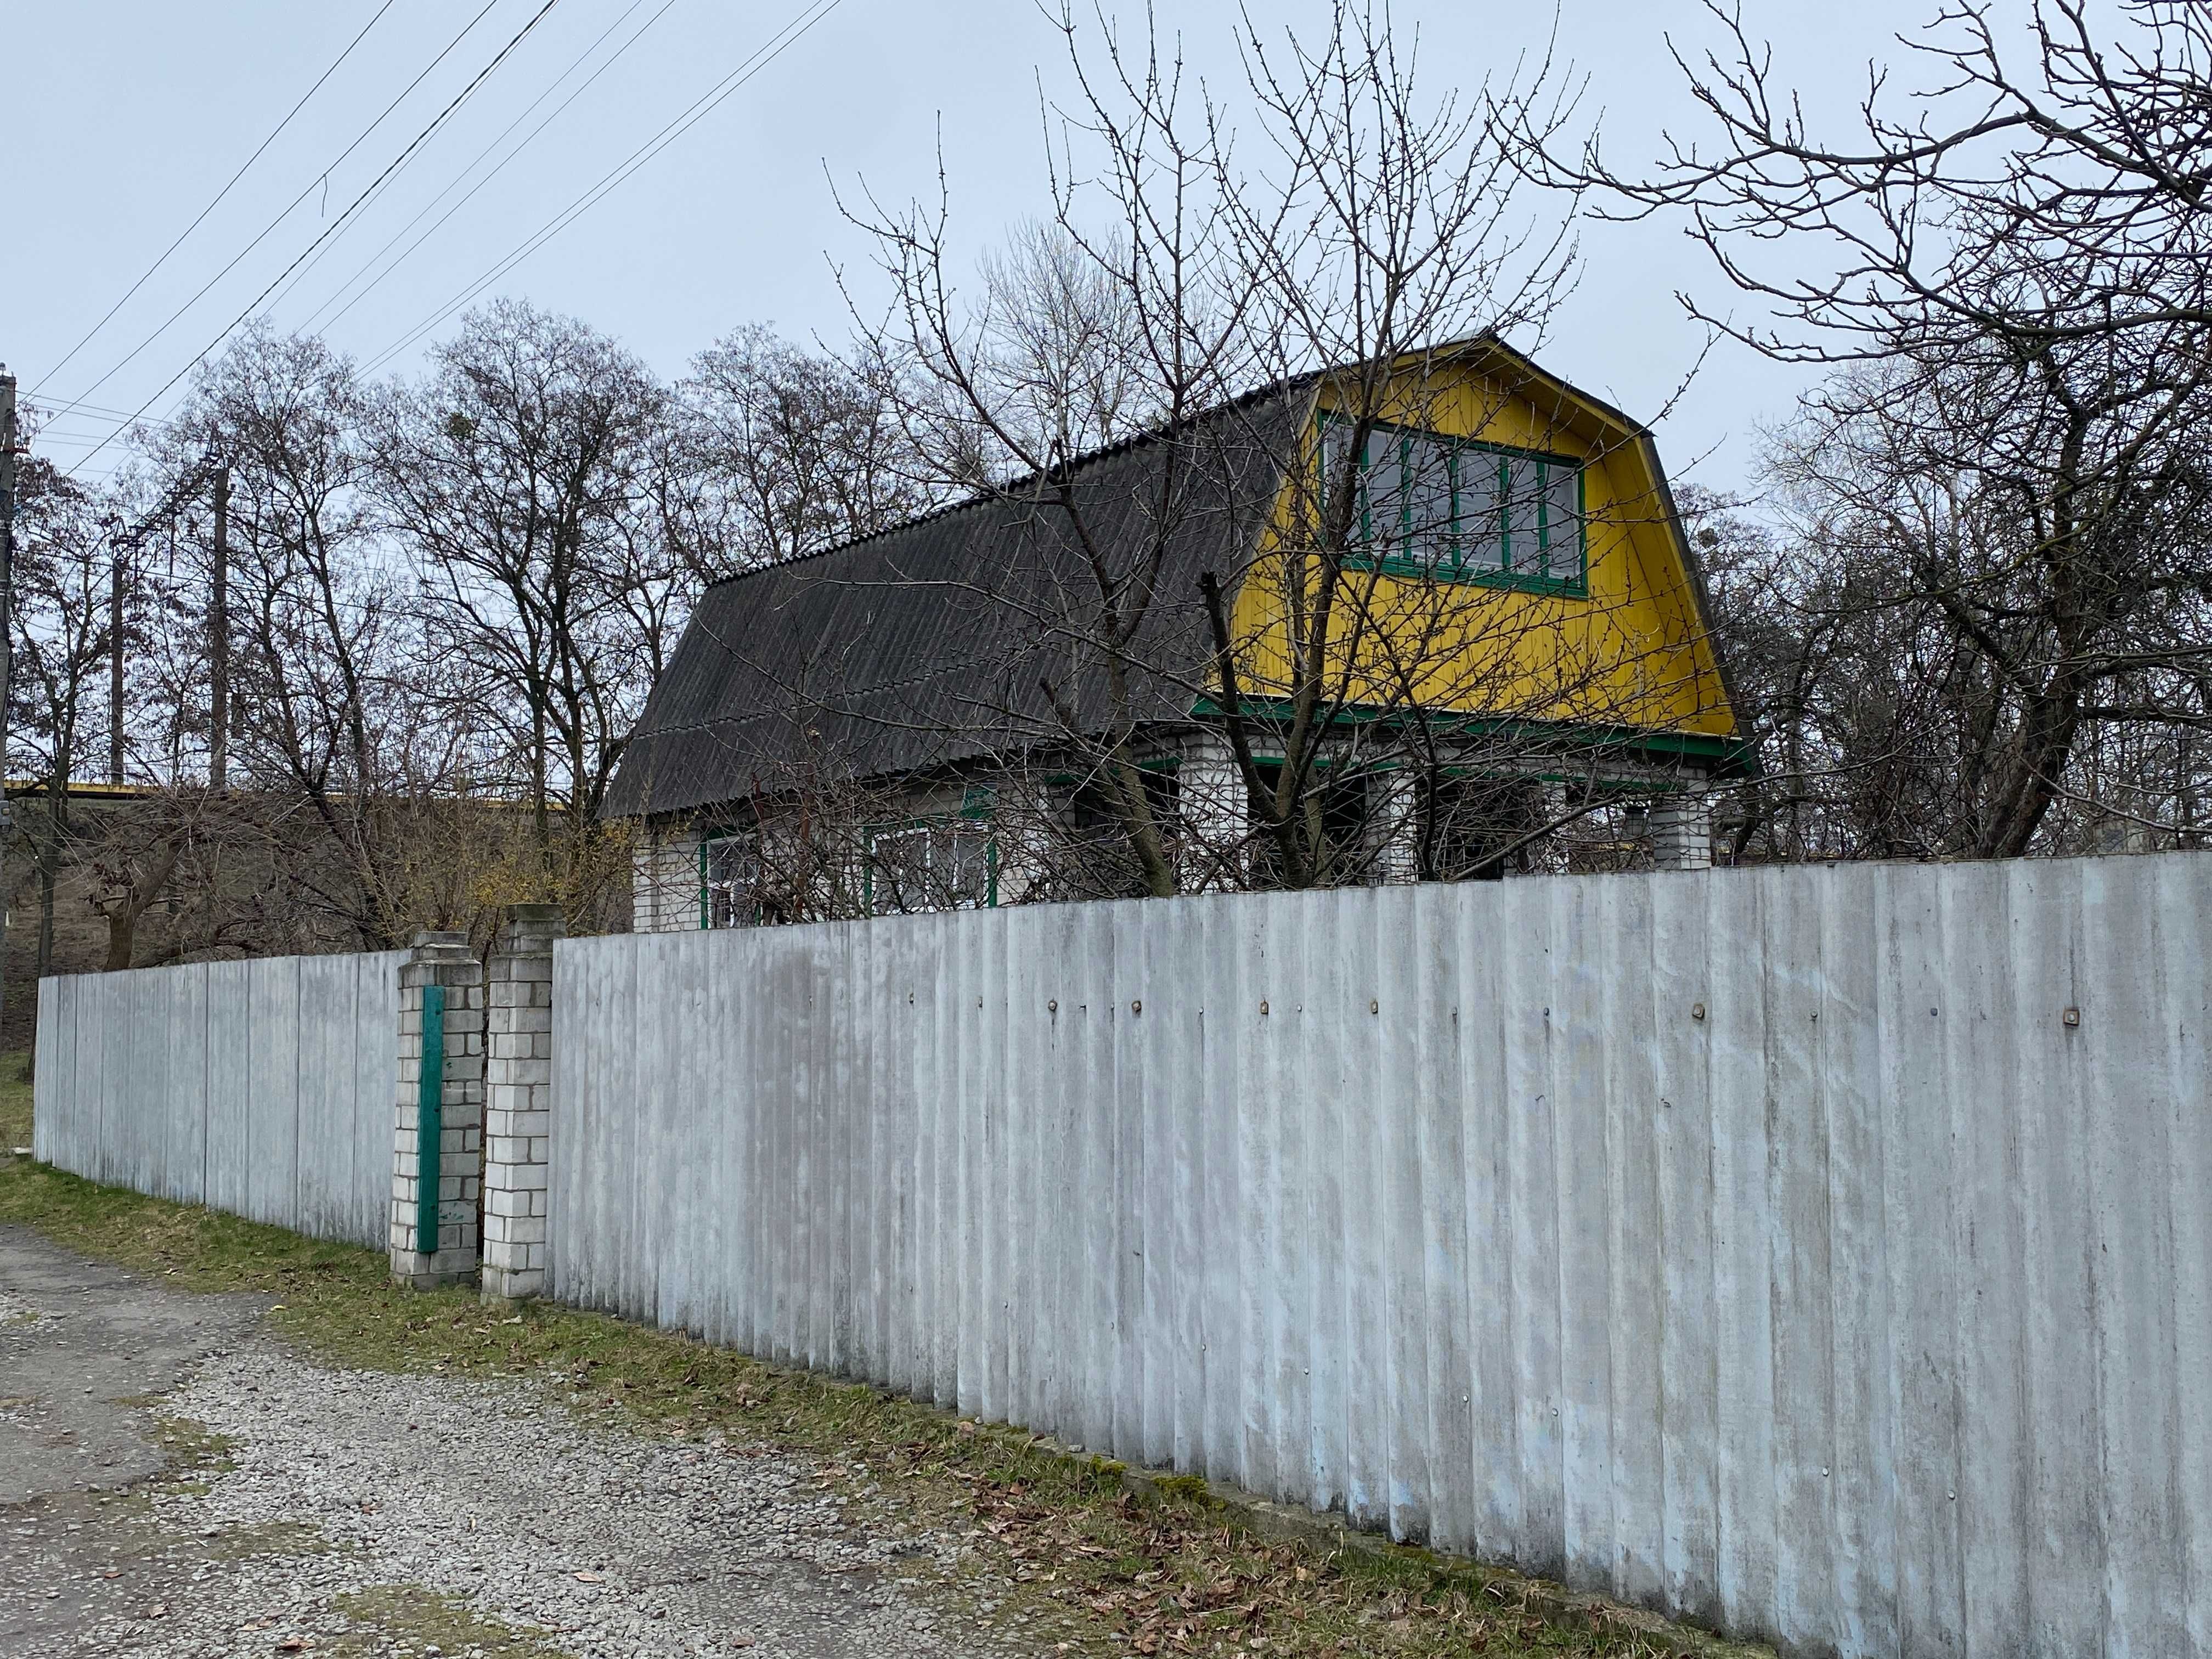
174, 1482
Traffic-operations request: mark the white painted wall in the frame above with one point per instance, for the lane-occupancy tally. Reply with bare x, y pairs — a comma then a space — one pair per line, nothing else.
1759, 1245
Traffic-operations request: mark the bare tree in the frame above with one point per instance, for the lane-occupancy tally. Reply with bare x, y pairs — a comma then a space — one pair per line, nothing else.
1352, 260
781, 453
326, 702
518, 478
2010, 278
61, 617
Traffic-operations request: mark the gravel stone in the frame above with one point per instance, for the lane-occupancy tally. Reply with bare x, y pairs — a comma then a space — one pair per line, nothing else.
599, 1541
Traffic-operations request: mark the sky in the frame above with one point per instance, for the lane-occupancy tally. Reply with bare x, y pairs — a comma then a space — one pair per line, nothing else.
129, 117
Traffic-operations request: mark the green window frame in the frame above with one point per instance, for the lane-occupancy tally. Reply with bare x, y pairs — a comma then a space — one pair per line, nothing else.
1475, 541
977, 806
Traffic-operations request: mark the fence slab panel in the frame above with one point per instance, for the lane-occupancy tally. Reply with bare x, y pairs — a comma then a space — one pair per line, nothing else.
185, 1168
1818, 1251
262, 1088
1768, 1246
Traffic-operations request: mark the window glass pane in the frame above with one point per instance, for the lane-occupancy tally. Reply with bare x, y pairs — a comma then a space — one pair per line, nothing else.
1428, 481
733, 880
1386, 494
1479, 529
898, 871
1563, 527
969, 866
1525, 487
1335, 447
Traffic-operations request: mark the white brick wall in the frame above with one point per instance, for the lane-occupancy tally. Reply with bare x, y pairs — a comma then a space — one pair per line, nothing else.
1682, 833
665, 880
517, 1100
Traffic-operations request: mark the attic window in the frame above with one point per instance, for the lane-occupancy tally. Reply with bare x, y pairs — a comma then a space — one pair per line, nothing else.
1432, 505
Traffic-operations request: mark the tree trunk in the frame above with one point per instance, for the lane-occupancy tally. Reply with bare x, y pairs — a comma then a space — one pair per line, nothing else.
135, 900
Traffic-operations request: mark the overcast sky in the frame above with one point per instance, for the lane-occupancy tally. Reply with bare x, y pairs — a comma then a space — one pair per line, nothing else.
127, 116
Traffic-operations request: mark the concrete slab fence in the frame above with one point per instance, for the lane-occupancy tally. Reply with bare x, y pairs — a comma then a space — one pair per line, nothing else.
264, 1088
1820, 1253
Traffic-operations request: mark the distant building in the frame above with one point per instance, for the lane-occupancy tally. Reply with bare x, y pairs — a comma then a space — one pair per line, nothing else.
916, 719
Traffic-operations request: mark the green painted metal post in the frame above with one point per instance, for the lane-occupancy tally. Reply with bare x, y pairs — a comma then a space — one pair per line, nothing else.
430, 1120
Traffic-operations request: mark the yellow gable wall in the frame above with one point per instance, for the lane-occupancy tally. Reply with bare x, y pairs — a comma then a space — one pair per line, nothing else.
1629, 654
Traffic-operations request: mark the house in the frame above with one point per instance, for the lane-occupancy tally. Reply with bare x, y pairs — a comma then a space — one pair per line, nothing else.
1002, 700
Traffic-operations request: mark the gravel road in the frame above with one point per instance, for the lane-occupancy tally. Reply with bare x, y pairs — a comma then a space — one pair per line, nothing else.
362, 1513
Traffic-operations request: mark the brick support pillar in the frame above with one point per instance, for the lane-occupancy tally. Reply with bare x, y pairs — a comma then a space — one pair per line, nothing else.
440, 960
1394, 819
1211, 801
1682, 833
518, 1101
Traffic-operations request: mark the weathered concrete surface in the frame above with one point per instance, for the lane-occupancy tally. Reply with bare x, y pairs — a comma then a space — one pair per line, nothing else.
82, 1347
1767, 1245
264, 1088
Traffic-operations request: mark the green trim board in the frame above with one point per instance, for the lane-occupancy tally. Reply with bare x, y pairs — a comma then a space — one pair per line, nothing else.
1729, 756
1466, 493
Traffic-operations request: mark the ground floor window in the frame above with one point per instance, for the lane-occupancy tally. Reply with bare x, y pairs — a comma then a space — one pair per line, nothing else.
1339, 797
1475, 828
730, 881
931, 864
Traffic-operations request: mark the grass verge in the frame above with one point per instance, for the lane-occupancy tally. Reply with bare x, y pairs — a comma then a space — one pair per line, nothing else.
1088, 1564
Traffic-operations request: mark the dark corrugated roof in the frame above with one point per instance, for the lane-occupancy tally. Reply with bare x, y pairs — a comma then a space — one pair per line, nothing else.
933, 642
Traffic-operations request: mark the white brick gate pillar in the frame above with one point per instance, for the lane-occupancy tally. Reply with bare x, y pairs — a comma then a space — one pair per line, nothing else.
434, 1226
518, 1101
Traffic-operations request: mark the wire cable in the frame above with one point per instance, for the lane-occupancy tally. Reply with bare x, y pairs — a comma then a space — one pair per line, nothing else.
316, 319
70, 356
384, 185
339, 223
287, 210
697, 111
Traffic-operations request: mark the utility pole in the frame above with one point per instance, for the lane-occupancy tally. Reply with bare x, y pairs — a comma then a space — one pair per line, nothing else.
219, 641
6, 637
115, 663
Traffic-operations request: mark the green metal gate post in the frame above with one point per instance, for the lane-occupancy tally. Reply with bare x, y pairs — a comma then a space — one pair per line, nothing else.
436, 1191
430, 1120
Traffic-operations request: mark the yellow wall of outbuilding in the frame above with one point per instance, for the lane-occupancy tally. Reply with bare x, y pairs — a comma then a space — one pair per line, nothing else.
1628, 652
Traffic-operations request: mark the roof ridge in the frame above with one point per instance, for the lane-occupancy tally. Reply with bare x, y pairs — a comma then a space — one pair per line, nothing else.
1487, 338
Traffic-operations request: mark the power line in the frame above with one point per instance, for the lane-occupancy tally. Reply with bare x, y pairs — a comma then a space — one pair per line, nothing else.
96, 410
354, 207
705, 105
70, 356
316, 318
287, 210
386, 183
